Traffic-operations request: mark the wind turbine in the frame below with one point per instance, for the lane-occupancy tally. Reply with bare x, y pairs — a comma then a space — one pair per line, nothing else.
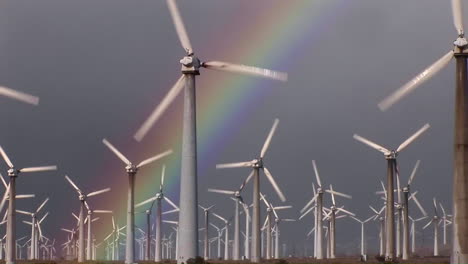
158, 198
435, 222
89, 219
11, 220
176, 229
132, 171
278, 220
256, 165
220, 233
226, 235
206, 211
363, 238
413, 232
459, 248
390, 156
190, 68
238, 200
445, 222
381, 228
318, 199
33, 227
82, 197
333, 211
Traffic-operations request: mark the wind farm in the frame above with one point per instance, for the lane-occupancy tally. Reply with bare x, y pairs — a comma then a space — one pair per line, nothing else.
195, 132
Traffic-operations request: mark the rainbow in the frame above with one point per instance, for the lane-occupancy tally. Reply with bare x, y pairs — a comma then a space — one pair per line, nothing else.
282, 32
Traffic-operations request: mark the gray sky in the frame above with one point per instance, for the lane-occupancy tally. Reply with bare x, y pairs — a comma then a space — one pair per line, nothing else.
101, 66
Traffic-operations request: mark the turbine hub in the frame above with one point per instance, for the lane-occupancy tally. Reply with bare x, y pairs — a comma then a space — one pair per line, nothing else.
12, 172
391, 155
190, 65
82, 197
159, 195
131, 169
406, 189
461, 42
257, 163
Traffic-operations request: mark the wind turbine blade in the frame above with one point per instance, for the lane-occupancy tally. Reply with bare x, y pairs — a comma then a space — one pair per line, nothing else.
5, 157
418, 204
413, 137
435, 206
306, 212
162, 177
246, 181
457, 17
160, 109
102, 211
113, 223
145, 202
282, 207
372, 208
3, 180
416, 82
339, 194
220, 217
316, 174
24, 212
155, 158
345, 211
414, 172
383, 188
23, 196
5, 196
73, 184
443, 210
42, 205
368, 219
66, 230
116, 152
332, 195
244, 69
76, 217
95, 219
234, 165
38, 169
371, 144
263, 198
269, 137
171, 211
43, 218
180, 27
20, 96
309, 203
171, 222
274, 184
171, 203
98, 192
429, 223
87, 205
222, 191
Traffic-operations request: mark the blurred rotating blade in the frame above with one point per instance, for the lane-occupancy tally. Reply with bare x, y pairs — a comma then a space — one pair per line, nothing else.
98, 192
274, 184
116, 152
145, 202
73, 184
317, 176
413, 137
39, 169
309, 203
23, 196
222, 191
246, 181
371, 144
339, 194
245, 164
244, 69
457, 16
155, 158
20, 96
5, 157
160, 109
161, 186
103, 211
180, 27
410, 180
268, 139
42, 205
345, 211
416, 82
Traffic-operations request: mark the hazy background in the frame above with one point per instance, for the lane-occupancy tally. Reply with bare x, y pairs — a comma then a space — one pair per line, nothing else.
100, 67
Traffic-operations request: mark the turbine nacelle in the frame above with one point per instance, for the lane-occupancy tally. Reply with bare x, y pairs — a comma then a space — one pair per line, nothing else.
131, 169
190, 64
461, 42
159, 195
257, 163
82, 197
391, 155
12, 172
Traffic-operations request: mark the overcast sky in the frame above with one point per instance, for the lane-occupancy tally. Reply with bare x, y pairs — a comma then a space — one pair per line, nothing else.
100, 67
